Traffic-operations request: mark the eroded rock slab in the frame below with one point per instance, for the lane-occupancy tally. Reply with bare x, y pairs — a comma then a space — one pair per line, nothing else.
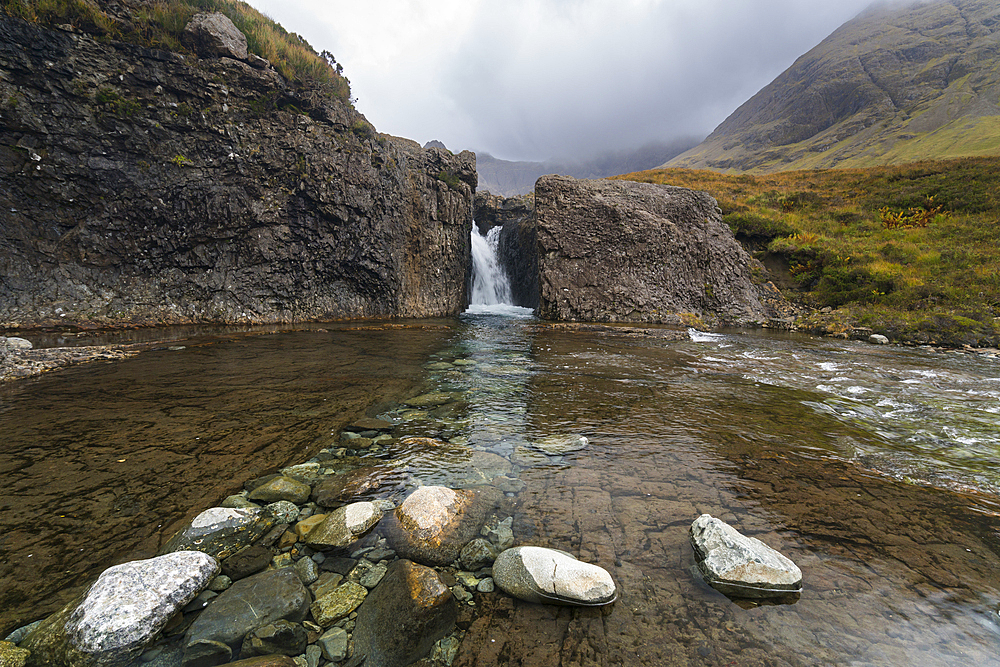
741, 566
537, 574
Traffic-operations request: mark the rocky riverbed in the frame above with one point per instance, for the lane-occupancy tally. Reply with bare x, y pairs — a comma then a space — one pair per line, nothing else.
604, 442
344, 558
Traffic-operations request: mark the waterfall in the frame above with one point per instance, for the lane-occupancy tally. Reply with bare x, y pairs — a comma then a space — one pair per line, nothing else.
490, 285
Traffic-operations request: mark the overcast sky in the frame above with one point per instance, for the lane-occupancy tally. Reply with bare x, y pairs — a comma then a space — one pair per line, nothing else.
538, 79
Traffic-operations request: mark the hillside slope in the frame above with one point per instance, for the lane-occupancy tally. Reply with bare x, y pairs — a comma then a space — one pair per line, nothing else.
895, 84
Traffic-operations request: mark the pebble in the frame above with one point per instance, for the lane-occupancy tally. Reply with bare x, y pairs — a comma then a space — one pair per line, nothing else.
333, 644
371, 578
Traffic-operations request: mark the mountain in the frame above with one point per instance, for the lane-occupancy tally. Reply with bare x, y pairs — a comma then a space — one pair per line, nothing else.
508, 178
898, 83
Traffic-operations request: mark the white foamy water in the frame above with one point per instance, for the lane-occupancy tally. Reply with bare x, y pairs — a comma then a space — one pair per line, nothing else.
490, 284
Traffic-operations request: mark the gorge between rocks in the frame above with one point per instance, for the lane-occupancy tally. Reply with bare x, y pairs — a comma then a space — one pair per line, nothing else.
873, 468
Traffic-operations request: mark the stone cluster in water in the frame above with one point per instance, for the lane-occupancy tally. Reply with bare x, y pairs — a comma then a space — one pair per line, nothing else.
342, 558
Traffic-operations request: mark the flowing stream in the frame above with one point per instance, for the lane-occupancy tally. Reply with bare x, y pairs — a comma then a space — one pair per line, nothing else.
876, 469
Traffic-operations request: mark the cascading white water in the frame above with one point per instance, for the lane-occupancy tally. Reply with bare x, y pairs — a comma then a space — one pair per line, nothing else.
490, 285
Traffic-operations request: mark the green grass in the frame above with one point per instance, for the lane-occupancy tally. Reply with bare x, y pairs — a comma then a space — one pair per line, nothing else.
161, 25
852, 241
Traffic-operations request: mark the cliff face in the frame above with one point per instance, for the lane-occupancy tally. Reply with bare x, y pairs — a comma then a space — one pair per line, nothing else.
619, 251
899, 83
142, 186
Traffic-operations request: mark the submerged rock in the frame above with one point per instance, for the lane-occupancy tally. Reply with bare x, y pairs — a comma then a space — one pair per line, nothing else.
741, 566
477, 554
221, 531
122, 612
404, 616
279, 637
434, 398
434, 522
561, 444
549, 576
360, 484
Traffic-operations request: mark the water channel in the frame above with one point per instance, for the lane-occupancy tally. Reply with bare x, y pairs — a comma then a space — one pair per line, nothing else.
876, 469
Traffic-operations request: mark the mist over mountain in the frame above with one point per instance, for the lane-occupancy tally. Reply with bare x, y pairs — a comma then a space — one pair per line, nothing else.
509, 178
898, 83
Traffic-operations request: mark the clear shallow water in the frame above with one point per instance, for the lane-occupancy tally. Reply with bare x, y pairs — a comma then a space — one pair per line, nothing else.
782, 436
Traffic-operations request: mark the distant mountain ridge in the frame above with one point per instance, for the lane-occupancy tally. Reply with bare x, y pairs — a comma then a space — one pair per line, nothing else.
509, 178
898, 83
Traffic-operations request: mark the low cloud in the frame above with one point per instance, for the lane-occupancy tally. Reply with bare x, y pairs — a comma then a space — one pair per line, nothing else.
534, 79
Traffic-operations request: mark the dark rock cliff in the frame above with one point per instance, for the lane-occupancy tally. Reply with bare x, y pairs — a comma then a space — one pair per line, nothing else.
143, 186
619, 251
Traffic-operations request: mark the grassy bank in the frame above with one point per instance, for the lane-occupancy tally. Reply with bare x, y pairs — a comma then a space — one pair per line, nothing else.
910, 251
160, 25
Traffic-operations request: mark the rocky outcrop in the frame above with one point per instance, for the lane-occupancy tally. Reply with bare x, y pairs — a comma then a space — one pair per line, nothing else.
143, 186
619, 251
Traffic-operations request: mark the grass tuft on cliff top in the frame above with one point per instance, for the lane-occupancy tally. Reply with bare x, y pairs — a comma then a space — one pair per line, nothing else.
160, 25
911, 251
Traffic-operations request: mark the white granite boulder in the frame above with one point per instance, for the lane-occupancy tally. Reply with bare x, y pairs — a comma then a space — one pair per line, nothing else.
122, 612
549, 576
344, 525
741, 566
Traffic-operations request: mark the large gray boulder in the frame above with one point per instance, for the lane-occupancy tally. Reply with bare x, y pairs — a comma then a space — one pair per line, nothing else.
741, 566
550, 576
401, 619
221, 531
215, 35
217, 634
121, 613
618, 251
434, 522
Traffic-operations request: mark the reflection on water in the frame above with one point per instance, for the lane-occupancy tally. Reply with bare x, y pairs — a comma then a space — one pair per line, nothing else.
609, 446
